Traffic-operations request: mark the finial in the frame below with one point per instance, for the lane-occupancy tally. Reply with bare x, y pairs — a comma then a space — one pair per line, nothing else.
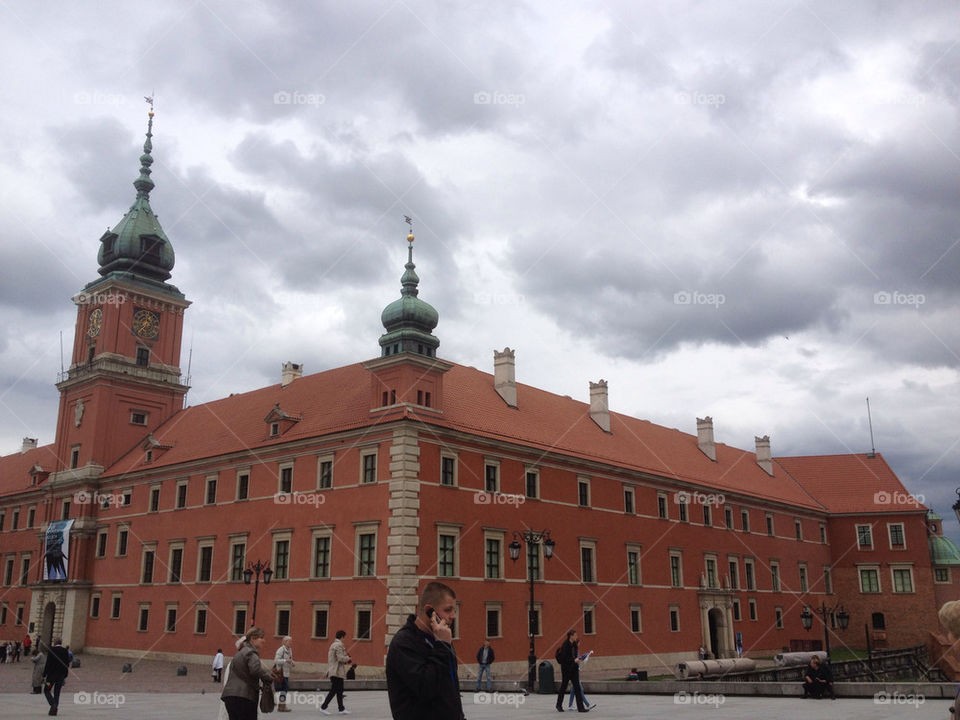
144, 184
409, 221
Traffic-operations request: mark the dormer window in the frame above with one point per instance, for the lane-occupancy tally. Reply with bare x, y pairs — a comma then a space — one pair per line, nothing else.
279, 421
274, 429
138, 418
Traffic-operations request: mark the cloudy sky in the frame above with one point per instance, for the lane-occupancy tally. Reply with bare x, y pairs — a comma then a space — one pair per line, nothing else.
748, 211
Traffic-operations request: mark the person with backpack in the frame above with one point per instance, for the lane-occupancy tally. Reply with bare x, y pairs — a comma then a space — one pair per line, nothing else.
569, 658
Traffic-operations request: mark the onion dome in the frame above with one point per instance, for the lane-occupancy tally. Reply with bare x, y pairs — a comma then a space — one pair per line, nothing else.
409, 321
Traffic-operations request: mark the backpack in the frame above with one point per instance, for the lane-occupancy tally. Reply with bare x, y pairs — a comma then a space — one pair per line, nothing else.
558, 654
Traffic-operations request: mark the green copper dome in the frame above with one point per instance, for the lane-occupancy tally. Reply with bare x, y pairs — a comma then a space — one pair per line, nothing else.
943, 551
137, 249
409, 321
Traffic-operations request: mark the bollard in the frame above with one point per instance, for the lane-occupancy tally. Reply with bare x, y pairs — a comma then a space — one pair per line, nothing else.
127, 667
181, 671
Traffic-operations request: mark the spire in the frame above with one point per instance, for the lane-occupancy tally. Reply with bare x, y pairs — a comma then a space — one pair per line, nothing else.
144, 184
409, 280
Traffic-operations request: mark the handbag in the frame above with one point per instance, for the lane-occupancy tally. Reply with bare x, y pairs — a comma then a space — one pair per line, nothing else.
267, 702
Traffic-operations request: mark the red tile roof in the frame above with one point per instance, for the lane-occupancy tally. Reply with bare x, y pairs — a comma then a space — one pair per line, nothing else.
851, 483
15, 468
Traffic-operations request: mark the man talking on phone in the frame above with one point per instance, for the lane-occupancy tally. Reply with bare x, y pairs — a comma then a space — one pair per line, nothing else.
421, 665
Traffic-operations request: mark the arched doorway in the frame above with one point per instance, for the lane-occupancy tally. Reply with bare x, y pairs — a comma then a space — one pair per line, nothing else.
46, 625
718, 633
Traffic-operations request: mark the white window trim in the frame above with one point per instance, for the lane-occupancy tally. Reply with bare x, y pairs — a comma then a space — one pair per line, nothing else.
210, 543
278, 537
736, 610
358, 606
495, 535
679, 555
872, 544
215, 479
144, 549
798, 526
491, 462
592, 545
584, 479
903, 534
876, 568
592, 607
113, 601
631, 491
198, 606
450, 455
778, 617
753, 614
236, 490
752, 564
238, 607
450, 529
745, 527
186, 499
638, 549
828, 579
365, 453
99, 596
315, 606
536, 471
166, 614
770, 524
279, 607
240, 539
365, 528
638, 607
823, 534
498, 606
707, 557
803, 577
321, 459
158, 489
96, 549
281, 466
735, 582
177, 545
893, 586
141, 606
778, 586
326, 532
666, 506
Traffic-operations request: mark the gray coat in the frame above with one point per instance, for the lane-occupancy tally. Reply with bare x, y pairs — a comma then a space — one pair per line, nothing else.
246, 672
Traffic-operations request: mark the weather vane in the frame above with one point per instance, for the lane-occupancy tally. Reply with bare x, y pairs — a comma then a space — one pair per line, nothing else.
409, 221
149, 99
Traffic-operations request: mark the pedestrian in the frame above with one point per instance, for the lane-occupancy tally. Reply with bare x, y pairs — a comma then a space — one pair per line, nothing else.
586, 703
817, 680
485, 658
16, 651
421, 663
245, 677
569, 659
26, 645
217, 668
55, 671
702, 653
337, 661
38, 659
283, 659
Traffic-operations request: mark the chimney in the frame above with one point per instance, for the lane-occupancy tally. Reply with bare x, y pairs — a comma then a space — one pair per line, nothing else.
705, 437
763, 454
290, 372
599, 405
28, 444
504, 382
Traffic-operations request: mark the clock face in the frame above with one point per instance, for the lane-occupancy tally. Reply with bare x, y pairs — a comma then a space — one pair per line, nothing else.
146, 324
96, 321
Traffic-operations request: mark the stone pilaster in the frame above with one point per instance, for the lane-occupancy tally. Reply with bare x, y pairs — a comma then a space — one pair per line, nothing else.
403, 539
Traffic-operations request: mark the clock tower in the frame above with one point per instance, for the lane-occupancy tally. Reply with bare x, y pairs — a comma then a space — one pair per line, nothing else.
124, 377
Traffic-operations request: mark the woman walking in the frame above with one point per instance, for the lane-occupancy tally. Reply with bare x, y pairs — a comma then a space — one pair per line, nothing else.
242, 687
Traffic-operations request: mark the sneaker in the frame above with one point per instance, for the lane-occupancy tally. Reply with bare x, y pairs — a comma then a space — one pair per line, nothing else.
324, 711
343, 712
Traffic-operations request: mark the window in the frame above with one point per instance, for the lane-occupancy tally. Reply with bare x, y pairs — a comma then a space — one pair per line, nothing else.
745, 520
154, 499
533, 484
65, 510
8, 573
115, 606
143, 618
864, 537
878, 621
941, 575
366, 554
588, 626
143, 356
205, 564
803, 578
633, 566
321, 621
102, 544
798, 529
3, 516
369, 466
778, 615
752, 607
364, 616
171, 625
533, 561
146, 572
494, 558
138, 418
736, 611
283, 622
321, 557
775, 576
122, 536
211, 490
748, 575
897, 541
181, 495
728, 518
200, 623
240, 620
583, 492
447, 555
636, 624
869, 580
493, 621
710, 567
682, 507
286, 479
674, 619
707, 515
31, 516
281, 559
325, 473
274, 429
770, 525
24, 570
95, 605
74, 456
238, 554
823, 533
733, 568
902, 580
176, 564
676, 570
243, 485
3, 613
448, 470
587, 563
827, 580
662, 506
15, 520
491, 477
628, 501
19, 620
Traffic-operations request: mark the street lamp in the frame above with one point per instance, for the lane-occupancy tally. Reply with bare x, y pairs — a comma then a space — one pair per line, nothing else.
533, 540
257, 567
842, 616
956, 505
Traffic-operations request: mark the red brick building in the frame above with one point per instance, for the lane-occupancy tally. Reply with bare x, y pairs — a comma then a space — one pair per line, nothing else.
359, 484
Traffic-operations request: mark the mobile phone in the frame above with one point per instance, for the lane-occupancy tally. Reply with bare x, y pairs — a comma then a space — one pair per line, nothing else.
430, 612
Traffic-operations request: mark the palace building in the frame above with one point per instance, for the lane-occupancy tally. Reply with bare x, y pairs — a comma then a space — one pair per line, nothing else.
131, 532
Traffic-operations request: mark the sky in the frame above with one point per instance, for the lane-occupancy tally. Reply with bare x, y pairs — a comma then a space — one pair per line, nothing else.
747, 211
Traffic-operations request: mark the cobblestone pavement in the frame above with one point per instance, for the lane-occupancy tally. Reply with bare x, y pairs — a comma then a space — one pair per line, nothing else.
131, 705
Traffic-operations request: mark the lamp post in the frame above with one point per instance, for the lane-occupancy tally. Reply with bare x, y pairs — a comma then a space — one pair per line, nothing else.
843, 619
257, 568
533, 539
956, 505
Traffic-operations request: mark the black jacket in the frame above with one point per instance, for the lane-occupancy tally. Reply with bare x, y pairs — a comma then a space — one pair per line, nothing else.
422, 677
568, 655
57, 666
489, 656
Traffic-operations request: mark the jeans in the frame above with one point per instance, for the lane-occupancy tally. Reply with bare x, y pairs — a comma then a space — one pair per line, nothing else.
336, 689
573, 694
484, 668
282, 688
53, 697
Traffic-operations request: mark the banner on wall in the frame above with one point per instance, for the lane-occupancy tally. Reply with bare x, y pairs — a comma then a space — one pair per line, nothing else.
56, 550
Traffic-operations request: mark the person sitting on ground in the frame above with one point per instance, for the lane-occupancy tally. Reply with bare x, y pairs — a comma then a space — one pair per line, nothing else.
817, 680
634, 674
